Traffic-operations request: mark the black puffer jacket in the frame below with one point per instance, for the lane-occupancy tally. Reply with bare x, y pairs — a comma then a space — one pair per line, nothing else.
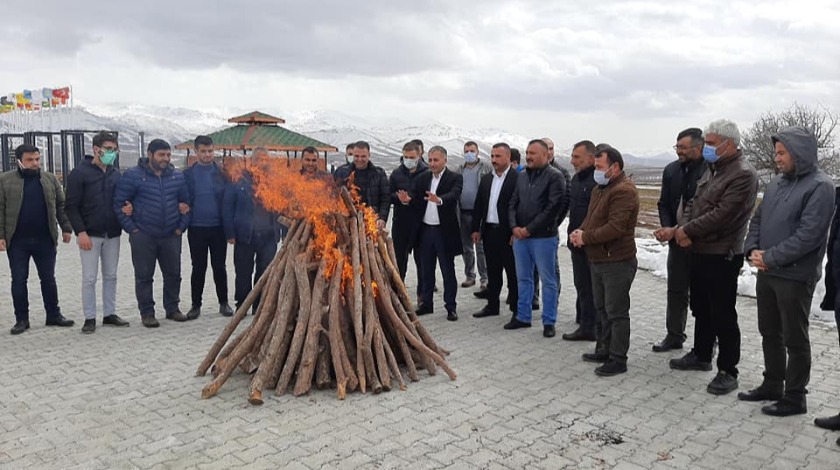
373, 186
89, 202
537, 201
566, 202
407, 217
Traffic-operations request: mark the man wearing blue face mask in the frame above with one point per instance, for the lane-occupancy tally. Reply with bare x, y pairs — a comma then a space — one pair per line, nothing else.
90, 193
473, 168
715, 226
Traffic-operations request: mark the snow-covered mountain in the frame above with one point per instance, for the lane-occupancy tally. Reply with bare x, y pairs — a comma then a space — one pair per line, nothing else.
386, 136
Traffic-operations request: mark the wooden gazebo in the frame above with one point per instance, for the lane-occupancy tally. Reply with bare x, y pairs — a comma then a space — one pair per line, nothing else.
257, 129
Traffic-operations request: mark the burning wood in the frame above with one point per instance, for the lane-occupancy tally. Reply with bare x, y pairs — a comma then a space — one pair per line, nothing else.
333, 309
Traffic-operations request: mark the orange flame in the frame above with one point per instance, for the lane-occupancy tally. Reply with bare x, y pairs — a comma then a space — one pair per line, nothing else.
375, 288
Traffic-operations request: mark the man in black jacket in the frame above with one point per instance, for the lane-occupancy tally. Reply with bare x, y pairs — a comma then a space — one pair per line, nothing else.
679, 182
407, 218
436, 194
371, 181
582, 184
491, 224
90, 194
533, 213
206, 234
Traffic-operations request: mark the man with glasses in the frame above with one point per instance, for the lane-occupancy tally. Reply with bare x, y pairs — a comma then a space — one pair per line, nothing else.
90, 192
679, 182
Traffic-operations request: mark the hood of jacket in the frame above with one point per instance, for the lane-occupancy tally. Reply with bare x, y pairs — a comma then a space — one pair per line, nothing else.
802, 145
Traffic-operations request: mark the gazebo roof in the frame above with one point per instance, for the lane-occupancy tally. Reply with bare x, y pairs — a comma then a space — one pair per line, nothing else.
256, 117
257, 129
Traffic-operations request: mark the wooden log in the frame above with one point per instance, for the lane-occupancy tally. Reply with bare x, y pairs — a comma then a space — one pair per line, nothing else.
299, 334
322, 363
278, 333
313, 331
348, 200
369, 310
346, 320
378, 340
395, 368
356, 309
394, 275
240, 314
335, 334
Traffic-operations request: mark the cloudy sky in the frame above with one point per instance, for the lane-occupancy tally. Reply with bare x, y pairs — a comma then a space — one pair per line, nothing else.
632, 73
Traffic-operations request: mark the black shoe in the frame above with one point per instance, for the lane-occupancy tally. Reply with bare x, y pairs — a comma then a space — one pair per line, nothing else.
595, 357
468, 283
60, 321
723, 383
194, 313
114, 320
176, 316
20, 327
515, 324
690, 362
831, 423
667, 344
481, 294
611, 368
452, 315
760, 393
89, 326
549, 331
579, 335
150, 322
423, 310
786, 407
485, 312
535, 305
225, 310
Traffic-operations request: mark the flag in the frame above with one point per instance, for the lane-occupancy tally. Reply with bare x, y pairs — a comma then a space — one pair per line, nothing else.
62, 93
21, 98
55, 102
4, 100
7, 108
27, 94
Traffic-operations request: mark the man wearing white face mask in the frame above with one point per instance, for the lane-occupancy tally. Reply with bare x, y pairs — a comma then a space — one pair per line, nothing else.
473, 168
405, 226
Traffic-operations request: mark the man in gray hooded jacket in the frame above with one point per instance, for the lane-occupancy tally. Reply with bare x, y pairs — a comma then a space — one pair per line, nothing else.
786, 242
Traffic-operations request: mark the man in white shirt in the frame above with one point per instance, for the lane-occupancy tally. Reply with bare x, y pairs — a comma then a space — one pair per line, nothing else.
436, 195
490, 224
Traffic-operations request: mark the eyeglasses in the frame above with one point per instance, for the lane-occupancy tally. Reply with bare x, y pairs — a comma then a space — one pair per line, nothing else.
111, 149
683, 148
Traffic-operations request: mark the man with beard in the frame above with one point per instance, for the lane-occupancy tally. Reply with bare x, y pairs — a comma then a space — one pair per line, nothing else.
154, 188
90, 196
491, 225
407, 217
32, 204
679, 183
533, 212
309, 165
714, 228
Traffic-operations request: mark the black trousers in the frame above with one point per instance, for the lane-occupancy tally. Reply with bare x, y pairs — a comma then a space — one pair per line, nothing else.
260, 251
585, 312
714, 288
42, 251
432, 249
679, 275
147, 250
500, 260
402, 248
783, 309
202, 240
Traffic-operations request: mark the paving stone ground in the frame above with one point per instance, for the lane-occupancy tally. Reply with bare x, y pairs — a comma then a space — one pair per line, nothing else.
128, 398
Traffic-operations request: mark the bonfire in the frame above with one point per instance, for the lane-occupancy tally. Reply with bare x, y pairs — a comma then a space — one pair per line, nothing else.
332, 308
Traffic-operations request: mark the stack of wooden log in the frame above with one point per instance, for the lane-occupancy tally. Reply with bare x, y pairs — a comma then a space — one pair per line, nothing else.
341, 318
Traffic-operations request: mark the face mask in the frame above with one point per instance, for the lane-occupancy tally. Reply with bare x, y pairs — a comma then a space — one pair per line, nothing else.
27, 172
600, 178
520, 168
108, 157
710, 153
470, 157
409, 163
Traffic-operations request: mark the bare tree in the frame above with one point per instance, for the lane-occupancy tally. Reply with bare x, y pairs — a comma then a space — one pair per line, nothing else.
759, 149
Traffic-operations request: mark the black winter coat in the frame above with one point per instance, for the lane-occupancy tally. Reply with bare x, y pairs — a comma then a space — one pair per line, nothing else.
89, 200
679, 183
407, 217
537, 201
580, 192
373, 186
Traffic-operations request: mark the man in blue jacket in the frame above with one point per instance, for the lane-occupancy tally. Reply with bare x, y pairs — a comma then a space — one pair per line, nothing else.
252, 230
206, 187
154, 188
90, 195
786, 242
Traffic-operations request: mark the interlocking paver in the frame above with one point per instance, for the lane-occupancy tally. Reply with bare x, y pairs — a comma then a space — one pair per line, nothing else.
127, 398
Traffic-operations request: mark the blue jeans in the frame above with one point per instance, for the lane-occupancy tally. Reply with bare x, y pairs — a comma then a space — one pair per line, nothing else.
542, 253
42, 251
